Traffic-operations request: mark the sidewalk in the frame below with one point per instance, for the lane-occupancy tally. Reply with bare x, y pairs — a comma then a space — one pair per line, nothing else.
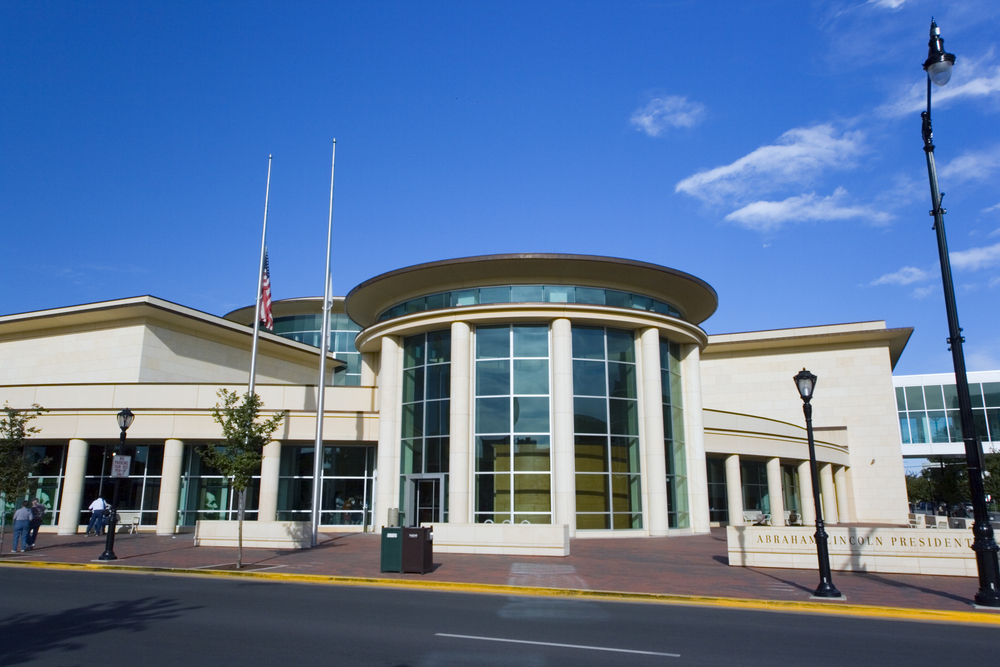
685, 566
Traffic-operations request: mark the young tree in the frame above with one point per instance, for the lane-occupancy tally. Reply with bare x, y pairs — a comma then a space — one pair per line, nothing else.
15, 467
242, 448
991, 475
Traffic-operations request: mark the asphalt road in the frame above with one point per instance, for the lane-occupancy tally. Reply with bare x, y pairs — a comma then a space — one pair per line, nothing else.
56, 618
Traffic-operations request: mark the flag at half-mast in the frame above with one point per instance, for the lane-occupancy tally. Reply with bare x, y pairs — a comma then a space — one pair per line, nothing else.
265, 296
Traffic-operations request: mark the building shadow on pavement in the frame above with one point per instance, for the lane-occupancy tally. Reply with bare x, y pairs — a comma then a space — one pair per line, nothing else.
26, 637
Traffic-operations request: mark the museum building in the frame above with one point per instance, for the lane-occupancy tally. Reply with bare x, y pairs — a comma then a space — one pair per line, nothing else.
507, 389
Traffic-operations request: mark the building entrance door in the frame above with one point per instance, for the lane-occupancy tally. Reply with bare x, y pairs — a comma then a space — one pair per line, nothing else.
425, 499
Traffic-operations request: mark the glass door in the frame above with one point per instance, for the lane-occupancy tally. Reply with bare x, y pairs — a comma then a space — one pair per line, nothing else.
426, 499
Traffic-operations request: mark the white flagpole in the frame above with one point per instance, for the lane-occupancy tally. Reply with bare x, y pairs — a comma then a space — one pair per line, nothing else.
260, 286
325, 347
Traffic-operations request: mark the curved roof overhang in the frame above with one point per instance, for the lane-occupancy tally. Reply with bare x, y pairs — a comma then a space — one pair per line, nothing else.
305, 305
676, 330
692, 296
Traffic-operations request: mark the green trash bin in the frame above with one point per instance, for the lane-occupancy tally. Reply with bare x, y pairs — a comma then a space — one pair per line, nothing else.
392, 550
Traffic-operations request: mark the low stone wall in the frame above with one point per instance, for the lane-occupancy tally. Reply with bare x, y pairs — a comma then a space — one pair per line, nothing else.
256, 534
856, 549
511, 539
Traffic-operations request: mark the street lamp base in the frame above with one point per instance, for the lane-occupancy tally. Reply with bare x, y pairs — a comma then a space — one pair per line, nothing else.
988, 598
827, 591
108, 555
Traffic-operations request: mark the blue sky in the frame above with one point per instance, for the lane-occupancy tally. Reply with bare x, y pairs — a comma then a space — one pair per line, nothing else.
770, 148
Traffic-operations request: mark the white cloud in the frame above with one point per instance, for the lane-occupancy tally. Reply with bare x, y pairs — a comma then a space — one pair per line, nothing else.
887, 4
973, 165
976, 258
924, 292
765, 216
995, 207
970, 79
905, 276
796, 157
664, 112
994, 281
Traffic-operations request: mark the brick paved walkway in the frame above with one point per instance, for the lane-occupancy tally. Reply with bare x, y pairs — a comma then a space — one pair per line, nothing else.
688, 565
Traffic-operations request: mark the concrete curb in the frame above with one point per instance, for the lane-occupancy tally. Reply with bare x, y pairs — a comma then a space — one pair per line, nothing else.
827, 608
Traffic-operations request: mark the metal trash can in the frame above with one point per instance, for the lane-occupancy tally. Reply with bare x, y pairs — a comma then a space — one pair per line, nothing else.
392, 550
418, 550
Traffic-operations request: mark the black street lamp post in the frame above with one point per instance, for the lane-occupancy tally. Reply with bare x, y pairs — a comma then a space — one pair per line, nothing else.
938, 66
125, 418
806, 382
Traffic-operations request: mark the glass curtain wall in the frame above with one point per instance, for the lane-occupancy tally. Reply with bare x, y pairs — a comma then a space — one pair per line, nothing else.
426, 414
207, 496
929, 414
673, 434
512, 425
140, 492
606, 429
755, 492
307, 329
718, 501
44, 482
347, 484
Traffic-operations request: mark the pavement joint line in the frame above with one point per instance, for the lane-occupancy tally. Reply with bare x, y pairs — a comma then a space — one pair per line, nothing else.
793, 606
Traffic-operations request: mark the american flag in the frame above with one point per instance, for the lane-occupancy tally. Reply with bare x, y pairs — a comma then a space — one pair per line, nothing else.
265, 301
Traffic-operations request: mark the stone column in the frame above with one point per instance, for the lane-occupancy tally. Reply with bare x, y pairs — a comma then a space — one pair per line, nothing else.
386, 497
170, 487
460, 482
72, 489
367, 369
563, 449
806, 494
270, 470
774, 492
829, 493
694, 439
734, 490
655, 474
840, 482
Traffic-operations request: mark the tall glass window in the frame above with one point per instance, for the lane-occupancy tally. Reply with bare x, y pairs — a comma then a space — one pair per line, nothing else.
790, 490
718, 501
929, 414
606, 429
140, 492
44, 482
348, 472
755, 490
512, 424
678, 515
426, 414
206, 494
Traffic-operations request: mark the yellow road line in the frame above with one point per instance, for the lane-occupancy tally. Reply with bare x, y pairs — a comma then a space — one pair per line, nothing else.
829, 608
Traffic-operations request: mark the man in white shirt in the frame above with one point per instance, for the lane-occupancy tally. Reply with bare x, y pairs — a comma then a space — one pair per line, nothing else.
96, 525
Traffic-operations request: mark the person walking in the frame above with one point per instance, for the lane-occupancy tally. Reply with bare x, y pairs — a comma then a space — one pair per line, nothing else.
37, 517
22, 522
97, 508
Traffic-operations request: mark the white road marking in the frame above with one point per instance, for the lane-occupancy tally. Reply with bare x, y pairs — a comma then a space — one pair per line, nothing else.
589, 648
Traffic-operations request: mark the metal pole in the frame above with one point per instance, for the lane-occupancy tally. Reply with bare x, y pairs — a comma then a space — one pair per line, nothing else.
983, 543
260, 285
324, 349
109, 542
826, 589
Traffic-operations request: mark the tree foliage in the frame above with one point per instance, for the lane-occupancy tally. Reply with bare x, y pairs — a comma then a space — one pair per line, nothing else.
15, 467
239, 455
991, 476
242, 448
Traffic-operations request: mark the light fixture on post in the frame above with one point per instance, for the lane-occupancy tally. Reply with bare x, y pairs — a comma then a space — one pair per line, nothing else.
805, 382
938, 67
125, 418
